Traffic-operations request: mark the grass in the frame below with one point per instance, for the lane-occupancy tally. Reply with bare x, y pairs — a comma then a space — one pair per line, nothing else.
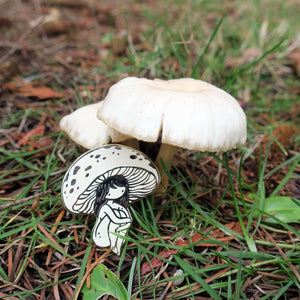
206, 224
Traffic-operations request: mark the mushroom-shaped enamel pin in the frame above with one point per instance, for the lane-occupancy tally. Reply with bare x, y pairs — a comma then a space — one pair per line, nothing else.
104, 181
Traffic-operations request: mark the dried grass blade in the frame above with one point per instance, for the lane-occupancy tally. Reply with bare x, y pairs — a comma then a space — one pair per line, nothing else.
55, 287
45, 232
17, 256
67, 260
293, 268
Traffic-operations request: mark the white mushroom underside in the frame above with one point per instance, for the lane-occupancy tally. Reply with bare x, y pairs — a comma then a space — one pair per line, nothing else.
91, 168
189, 113
84, 128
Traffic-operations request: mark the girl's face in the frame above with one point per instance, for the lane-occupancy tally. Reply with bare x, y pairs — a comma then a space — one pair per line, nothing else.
115, 192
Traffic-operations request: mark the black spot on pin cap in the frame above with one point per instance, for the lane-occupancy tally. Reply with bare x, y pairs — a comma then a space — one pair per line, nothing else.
76, 169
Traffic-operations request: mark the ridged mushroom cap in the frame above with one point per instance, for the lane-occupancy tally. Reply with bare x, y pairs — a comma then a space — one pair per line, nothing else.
188, 113
84, 128
79, 186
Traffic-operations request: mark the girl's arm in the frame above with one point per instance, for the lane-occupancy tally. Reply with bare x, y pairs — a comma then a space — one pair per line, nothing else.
106, 209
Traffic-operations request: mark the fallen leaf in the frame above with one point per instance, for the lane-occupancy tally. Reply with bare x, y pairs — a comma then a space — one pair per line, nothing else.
182, 243
7, 295
33, 89
38, 130
41, 92
42, 142
156, 261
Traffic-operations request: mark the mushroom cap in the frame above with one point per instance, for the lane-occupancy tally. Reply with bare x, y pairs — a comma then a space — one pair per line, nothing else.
93, 167
189, 113
83, 127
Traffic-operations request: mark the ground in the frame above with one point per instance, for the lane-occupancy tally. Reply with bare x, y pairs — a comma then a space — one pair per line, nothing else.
211, 228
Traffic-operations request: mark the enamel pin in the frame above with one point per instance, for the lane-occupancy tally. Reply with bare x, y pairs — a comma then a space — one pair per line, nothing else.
105, 181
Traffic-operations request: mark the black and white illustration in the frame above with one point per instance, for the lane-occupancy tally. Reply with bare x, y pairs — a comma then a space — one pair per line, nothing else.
105, 181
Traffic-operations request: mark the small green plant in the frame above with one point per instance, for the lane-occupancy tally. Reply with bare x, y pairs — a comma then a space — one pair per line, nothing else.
104, 282
285, 209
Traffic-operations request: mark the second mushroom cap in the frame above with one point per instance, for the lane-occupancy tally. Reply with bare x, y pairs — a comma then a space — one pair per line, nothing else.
83, 127
186, 112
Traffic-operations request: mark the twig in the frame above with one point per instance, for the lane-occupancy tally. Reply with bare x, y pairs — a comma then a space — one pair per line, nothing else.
66, 260
17, 202
53, 230
17, 44
169, 285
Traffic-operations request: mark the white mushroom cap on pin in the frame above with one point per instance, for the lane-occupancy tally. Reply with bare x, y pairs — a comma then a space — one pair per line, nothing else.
84, 128
104, 181
80, 183
188, 113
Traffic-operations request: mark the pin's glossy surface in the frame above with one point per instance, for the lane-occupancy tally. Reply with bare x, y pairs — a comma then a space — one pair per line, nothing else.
104, 181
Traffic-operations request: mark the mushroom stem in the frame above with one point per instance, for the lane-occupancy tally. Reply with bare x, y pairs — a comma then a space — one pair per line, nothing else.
133, 143
165, 155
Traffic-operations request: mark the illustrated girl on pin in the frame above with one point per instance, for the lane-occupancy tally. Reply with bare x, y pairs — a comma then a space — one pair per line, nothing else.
111, 207
105, 181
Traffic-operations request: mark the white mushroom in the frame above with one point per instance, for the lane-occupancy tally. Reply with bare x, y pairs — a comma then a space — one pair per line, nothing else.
104, 181
186, 112
84, 128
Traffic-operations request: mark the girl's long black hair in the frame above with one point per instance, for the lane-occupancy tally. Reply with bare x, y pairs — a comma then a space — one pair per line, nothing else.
103, 188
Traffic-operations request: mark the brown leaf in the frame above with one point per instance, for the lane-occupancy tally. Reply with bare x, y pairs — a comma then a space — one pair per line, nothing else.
37, 130
156, 261
6, 295
41, 92
33, 89
42, 142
